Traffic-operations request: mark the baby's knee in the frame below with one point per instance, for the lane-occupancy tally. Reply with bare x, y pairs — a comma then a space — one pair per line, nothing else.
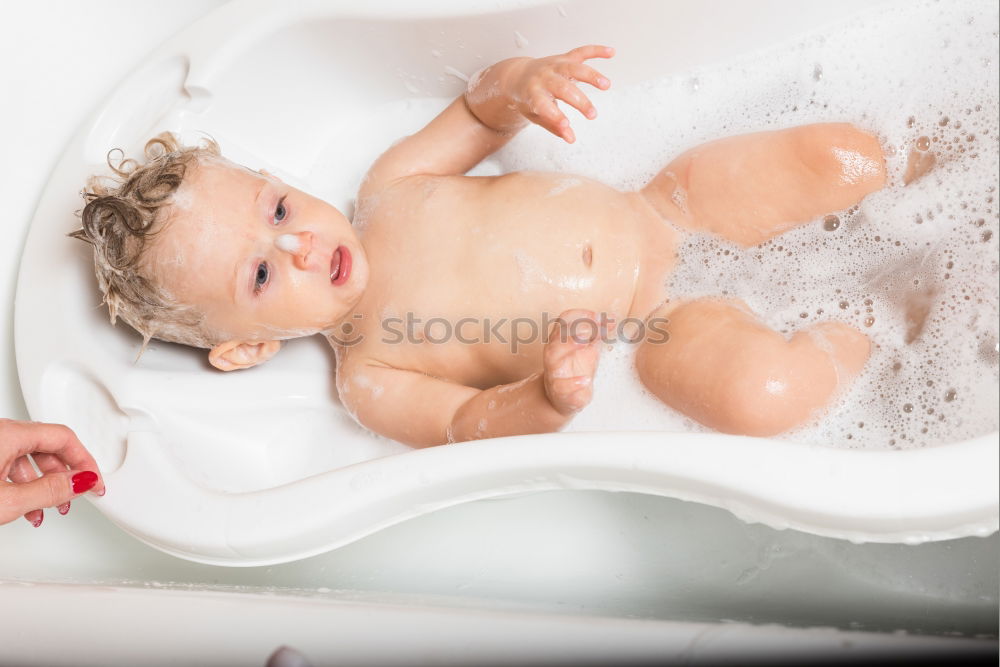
847, 347
779, 388
768, 396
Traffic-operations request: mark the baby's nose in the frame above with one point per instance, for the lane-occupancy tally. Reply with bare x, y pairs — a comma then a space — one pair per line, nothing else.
297, 245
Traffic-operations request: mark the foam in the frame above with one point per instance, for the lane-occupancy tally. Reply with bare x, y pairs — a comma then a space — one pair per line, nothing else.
287, 242
915, 267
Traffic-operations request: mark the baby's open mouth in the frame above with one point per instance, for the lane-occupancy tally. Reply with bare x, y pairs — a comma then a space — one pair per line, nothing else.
340, 266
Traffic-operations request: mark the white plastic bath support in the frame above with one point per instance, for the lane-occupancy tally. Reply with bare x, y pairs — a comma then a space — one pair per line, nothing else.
892, 496
932, 494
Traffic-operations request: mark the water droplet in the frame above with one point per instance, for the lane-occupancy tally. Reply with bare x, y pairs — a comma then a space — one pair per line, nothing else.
869, 321
908, 408
818, 72
950, 395
843, 305
923, 143
831, 223
943, 122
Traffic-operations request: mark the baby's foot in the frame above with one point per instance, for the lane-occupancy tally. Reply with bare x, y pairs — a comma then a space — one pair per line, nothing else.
570, 359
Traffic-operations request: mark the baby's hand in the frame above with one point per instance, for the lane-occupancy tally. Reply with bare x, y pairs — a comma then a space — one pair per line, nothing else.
570, 360
539, 82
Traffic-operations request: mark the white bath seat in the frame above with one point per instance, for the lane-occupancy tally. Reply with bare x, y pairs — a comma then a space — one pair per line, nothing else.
271, 469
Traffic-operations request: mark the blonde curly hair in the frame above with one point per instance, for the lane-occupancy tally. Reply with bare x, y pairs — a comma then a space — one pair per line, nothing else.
123, 213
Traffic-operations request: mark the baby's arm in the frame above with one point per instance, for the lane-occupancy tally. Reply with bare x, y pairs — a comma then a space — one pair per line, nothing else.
500, 100
421, 410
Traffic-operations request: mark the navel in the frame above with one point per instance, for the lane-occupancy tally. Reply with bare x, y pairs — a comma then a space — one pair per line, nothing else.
588, 255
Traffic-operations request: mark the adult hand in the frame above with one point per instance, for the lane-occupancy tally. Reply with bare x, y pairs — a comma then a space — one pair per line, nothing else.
67, 470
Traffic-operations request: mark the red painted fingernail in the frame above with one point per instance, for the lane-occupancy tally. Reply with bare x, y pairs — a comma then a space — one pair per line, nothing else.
37, 522
84, 481
63, 509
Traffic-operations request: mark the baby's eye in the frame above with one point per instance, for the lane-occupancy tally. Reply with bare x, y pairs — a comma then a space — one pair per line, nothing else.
280, 212
261, 278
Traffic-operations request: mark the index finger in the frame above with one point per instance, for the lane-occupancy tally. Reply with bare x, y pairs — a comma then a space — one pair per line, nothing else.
591, 51
20, 438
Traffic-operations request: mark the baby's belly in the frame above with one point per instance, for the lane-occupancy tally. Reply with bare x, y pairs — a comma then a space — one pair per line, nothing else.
514, 253
569, 243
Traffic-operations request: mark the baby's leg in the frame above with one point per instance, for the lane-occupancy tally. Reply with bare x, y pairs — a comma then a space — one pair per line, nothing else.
728, 371
749, 188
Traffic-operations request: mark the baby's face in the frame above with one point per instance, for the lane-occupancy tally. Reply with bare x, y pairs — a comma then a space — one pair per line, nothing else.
261, 259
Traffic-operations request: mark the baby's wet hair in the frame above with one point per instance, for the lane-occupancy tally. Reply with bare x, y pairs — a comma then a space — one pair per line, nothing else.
123, 213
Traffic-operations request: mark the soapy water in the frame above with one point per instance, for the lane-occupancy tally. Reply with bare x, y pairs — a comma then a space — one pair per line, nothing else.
914, 266
287, 242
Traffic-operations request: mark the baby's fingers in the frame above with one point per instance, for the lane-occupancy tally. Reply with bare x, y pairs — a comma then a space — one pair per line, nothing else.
587, 74
572, 394
566, 90
546, 112
582, 53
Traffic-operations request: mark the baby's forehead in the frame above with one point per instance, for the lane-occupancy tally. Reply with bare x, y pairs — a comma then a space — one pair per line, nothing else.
205, 229
216, 195
212, 178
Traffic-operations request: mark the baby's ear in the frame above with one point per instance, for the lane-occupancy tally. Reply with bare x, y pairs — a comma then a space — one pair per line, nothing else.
234, 355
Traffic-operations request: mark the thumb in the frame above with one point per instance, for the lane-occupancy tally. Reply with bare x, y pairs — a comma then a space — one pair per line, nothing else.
50, 490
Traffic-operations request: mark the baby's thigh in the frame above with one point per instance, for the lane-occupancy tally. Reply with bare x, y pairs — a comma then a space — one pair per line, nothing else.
753, 187
723, 368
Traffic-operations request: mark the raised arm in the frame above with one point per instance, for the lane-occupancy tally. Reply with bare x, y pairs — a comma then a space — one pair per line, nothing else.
499, 101
420, 410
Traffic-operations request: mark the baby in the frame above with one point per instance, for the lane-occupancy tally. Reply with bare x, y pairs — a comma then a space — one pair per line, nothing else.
517, 280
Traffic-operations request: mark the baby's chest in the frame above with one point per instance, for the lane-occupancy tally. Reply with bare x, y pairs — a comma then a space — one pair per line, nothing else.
473, 247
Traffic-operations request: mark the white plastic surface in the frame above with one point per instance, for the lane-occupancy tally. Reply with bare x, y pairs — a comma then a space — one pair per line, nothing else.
293, 493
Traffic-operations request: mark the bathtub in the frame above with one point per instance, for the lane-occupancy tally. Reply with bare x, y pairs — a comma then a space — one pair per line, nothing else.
683, 560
